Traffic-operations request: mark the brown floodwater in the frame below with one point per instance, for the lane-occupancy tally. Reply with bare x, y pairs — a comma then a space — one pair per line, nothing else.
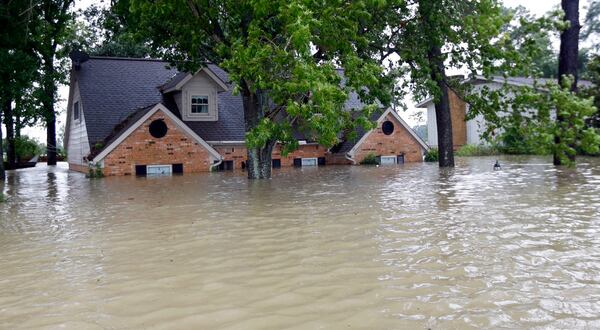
335, 247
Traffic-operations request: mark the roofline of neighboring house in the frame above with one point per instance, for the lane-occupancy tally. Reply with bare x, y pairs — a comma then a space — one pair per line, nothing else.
424, 145
496, 79
158, 107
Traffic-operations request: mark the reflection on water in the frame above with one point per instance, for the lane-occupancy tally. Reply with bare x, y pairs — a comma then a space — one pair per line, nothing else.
361, 247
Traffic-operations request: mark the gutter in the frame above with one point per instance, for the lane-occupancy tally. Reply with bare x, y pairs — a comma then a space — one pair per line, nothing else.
215, 165
350, 158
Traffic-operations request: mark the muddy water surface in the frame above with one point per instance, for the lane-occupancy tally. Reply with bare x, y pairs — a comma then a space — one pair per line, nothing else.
335, 247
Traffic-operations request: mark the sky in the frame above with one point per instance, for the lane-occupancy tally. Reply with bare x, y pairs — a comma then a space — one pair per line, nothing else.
537, 7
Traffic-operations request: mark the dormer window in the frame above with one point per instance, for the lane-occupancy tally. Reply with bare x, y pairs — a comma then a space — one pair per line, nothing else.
199, 104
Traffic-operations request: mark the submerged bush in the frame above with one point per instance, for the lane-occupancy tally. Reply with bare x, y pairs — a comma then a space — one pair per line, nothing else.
369, 159
95, 171
470, 150
432, 155
2, 198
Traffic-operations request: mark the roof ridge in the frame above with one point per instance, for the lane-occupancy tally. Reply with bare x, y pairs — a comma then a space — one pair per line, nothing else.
127, 58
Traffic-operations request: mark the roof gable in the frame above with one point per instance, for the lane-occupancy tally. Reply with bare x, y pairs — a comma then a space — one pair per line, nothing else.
179, 80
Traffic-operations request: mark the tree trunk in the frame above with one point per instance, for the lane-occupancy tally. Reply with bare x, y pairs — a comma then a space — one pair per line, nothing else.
49, 114
443, 116
2, 175
259, 159
568, 57
11, 155
17, 131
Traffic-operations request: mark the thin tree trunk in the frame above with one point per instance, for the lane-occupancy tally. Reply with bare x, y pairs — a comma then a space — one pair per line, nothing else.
11, 156
49, 114
259, 159
568, 58
442, 109
17, 132
2, 174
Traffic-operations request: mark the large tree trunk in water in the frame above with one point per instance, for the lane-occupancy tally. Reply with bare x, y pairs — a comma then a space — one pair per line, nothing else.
11, 155
443, 116
50, 115
568, 56
259, 159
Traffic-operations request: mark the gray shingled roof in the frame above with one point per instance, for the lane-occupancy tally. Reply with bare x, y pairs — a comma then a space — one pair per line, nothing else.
114, 89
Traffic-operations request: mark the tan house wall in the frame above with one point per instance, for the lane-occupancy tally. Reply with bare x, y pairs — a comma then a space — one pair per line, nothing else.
400, 142
141, 148
458, 112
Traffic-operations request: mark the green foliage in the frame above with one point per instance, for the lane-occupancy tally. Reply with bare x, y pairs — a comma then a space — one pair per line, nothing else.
281, 56
529, 120
106, 31
370, 159
94, 171
472, 150
432, 155
591, 26
593, 74
2, 198
26, 147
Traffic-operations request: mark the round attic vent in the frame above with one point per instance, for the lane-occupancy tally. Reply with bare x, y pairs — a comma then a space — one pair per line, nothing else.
387, 127
158, 128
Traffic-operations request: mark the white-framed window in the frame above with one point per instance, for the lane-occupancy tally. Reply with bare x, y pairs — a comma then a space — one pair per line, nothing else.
199, 104
310, 162
76, 111
388, 160
157, 170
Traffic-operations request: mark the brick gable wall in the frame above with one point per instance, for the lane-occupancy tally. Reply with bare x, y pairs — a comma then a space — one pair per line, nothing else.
141, 148
400, 142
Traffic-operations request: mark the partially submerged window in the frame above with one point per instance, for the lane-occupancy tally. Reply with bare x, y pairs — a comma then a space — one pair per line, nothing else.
158, 128
226, 165
276, 163
387, 127
309, 162
76, 110
157, 170
388, 160
199, 104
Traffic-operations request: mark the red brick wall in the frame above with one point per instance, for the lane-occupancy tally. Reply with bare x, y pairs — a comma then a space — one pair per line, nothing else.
398, 143
141, 148
239, 154
79, 168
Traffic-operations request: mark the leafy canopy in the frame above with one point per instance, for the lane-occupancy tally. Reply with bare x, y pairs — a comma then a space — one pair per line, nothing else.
283, 52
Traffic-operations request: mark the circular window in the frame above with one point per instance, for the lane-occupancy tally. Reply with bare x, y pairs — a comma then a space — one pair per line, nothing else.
387, 127
158, 128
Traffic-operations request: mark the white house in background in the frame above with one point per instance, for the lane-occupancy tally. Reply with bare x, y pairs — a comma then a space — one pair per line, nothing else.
470, 131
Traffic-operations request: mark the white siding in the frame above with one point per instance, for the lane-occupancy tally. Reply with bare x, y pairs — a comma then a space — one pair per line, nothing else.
78, 145
432, 139
200, 84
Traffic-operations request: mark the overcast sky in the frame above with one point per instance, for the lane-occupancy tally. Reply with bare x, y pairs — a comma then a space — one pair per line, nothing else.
537, 7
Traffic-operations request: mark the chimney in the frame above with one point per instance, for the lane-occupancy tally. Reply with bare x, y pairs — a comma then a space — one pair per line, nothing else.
77, 58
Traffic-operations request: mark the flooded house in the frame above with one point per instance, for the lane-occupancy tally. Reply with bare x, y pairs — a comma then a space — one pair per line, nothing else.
470, 131
138, 116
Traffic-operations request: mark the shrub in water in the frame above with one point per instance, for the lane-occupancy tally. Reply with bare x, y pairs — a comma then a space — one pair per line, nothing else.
369, 159
469, 150
432, 155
